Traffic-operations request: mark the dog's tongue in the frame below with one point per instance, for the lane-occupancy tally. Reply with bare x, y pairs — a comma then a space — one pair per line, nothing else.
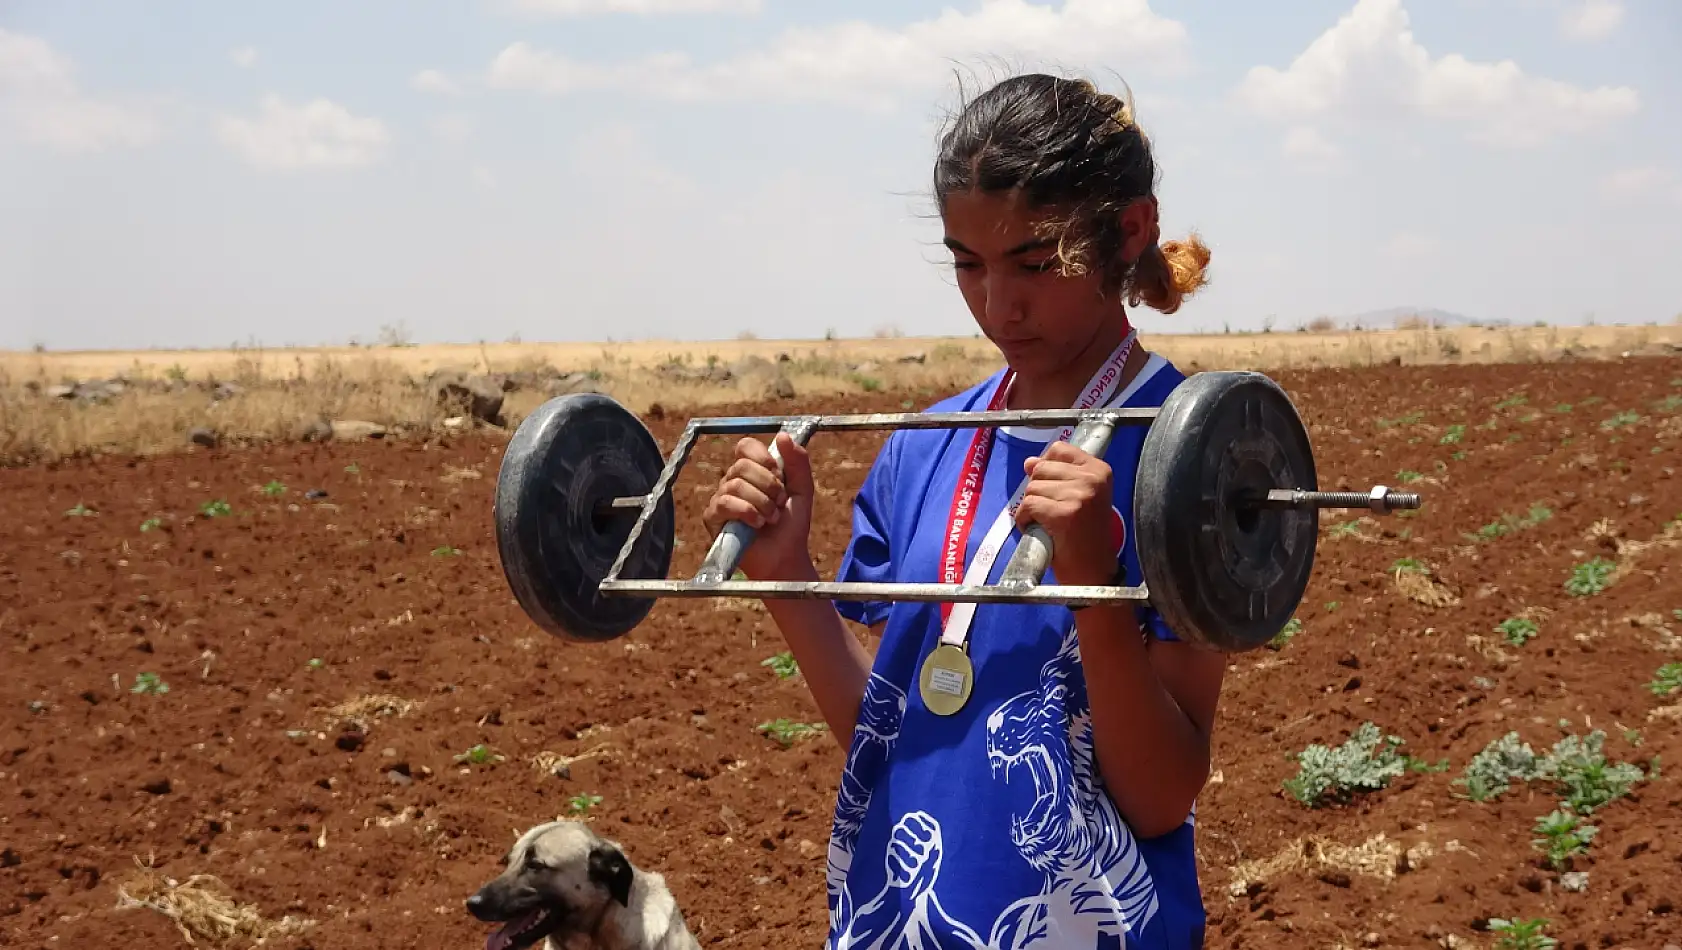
503, 938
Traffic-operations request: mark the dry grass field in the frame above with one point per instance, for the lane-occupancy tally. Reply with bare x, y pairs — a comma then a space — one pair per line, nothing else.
62, 404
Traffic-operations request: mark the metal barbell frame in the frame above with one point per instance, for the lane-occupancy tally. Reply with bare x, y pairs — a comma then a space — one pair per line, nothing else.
1019, 583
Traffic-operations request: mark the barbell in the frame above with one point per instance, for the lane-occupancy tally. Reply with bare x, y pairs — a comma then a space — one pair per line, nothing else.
1225, 513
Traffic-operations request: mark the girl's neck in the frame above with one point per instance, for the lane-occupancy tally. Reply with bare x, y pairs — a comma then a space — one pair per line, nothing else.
1061, 389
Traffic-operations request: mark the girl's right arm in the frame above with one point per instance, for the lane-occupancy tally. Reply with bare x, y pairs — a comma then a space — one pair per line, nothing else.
833, 661
776, 501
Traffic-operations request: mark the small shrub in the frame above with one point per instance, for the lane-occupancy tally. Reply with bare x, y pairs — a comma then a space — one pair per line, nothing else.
1506, 524
1583, 775
1625, 418
1562, 836
1500, 763
479, 755
1291, 628
1517, 630
787, 732
1667, 680
1589, 578
1521, 934
149, 683
1404, 420
1577, 766
1367, 761
782, 664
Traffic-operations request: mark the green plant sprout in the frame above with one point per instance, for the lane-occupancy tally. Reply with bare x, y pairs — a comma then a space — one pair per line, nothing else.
149, 683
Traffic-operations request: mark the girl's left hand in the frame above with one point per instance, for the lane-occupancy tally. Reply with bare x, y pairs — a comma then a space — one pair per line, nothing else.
1069, 494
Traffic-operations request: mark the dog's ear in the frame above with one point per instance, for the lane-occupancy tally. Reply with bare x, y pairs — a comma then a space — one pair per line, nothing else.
612, 870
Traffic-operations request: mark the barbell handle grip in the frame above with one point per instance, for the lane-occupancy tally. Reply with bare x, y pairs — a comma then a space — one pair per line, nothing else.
732, 542
1027, 565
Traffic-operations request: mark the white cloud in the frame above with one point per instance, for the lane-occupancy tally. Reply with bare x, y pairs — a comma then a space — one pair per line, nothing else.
317, 134
42, 103
1591, 19
483, 178
245, 57
865, 65
435, 82
1369, 62
1410, 246
582, 8
1645, 182
1310, 147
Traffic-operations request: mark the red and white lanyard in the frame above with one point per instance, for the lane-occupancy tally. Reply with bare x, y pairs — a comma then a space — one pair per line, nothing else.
956, 618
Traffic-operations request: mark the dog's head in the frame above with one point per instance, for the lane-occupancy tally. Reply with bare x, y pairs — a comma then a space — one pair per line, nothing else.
557, 877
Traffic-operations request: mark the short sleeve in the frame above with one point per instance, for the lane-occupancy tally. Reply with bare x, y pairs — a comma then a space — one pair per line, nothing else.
869, 554
1154, 626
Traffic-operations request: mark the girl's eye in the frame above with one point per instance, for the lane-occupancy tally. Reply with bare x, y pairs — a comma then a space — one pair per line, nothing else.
965, 265
1040, 267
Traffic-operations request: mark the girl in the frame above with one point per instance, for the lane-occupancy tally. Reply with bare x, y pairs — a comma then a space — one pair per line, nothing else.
1017, 775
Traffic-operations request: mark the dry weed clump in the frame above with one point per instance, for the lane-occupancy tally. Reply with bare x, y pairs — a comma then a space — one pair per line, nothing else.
201, 912
1377, 857
1415, 582
360, 713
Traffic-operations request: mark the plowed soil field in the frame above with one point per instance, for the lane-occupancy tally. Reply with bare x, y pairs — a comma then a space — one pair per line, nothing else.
333, 660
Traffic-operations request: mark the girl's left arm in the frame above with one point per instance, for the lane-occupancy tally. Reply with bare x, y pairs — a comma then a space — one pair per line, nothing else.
1153, 712
1153, 704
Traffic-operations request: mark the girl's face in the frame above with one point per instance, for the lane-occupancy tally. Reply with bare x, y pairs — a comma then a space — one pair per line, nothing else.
1039, 318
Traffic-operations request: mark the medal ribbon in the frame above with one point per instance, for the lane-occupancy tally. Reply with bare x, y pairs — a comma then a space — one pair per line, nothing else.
956, 618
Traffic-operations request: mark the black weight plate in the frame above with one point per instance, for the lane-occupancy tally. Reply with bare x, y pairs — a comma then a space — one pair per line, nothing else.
567, 458
1223, 575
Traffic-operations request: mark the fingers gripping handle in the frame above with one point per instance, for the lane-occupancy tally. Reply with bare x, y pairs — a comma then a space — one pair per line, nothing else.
1028, 563
727, 549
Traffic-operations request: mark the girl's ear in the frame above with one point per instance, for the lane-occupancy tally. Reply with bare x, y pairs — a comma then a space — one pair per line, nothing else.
1139, 228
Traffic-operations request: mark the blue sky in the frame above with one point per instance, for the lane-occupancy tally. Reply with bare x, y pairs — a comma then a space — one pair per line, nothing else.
198, 173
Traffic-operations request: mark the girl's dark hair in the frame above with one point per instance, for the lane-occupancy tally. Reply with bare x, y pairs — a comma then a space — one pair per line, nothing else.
1076, 153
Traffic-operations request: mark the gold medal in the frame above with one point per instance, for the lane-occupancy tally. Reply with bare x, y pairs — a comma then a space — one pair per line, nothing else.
948, 677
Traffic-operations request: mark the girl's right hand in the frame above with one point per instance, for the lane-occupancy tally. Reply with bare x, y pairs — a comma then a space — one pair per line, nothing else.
777, 505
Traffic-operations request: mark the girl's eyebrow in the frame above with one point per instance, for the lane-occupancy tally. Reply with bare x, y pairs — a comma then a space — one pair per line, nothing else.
1023, 248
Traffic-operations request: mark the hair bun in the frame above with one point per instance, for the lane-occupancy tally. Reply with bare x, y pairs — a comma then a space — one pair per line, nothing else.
1169, 273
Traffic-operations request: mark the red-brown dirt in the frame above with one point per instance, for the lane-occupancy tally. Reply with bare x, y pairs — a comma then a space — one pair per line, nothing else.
261, 619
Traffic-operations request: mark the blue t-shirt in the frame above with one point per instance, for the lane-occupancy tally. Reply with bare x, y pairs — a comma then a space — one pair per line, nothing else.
989, 828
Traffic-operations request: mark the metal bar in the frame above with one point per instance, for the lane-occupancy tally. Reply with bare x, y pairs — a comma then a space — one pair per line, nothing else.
663, 484
1028, 563
1275, 498
727, 549
745, 425
1377, 500
835, 590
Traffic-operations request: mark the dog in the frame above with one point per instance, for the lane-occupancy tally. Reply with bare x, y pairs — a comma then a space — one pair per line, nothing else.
568, 888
